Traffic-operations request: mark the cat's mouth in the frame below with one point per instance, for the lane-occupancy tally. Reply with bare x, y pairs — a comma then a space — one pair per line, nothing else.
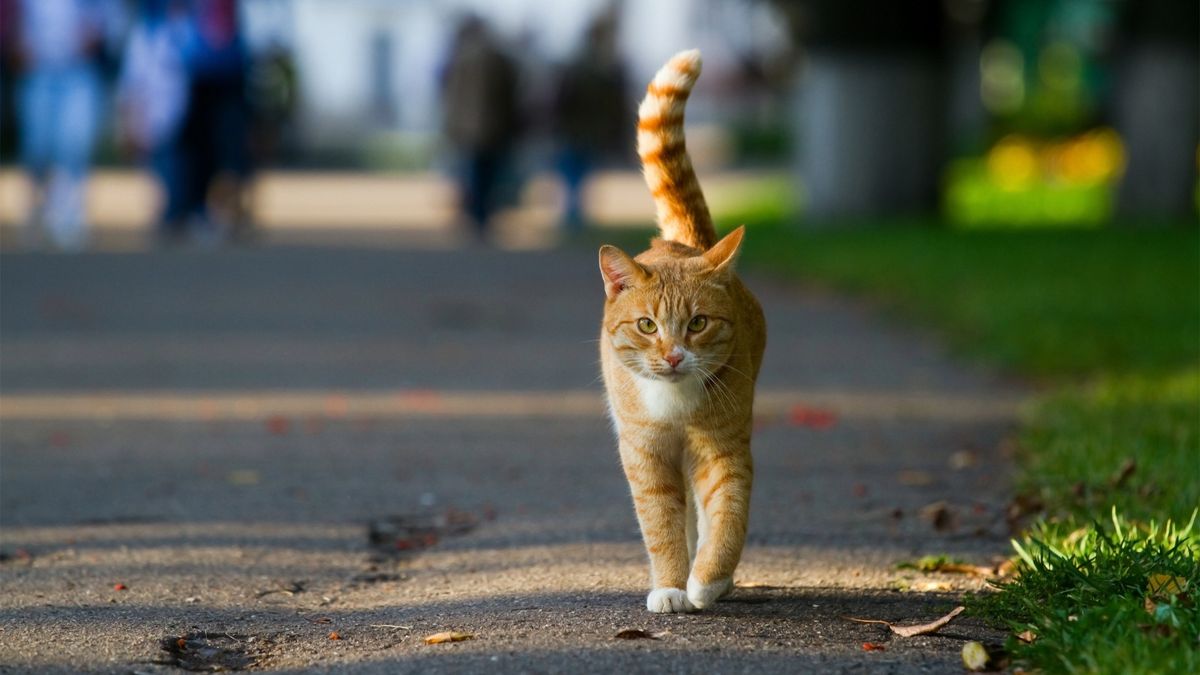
670, 375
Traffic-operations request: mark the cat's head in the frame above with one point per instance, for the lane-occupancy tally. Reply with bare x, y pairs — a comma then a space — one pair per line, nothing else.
671, 317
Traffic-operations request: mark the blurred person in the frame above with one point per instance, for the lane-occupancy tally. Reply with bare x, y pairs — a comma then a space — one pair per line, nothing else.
9, 67
272, 96
591, 114
152, 95
479, 99
213, 140
59, 44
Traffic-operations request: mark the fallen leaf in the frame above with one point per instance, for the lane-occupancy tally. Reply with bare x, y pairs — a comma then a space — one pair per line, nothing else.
289, 589
1006, 569
873, 647
940, 563
334, 636
925, 628
120, 587
447, 636
1026, 636
637, 634
278, 425
919, 629
940, 515
1127, 469
1165, 585
1023, 505
813, 418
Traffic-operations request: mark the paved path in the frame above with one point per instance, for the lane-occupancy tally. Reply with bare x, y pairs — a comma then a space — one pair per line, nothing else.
263, 447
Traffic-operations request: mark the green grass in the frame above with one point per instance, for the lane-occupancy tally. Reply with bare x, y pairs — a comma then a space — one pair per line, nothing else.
1043, 303
1103, 598
1112, 318
1132, 442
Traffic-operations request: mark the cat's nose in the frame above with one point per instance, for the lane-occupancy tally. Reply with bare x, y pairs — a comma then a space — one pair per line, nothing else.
673, 358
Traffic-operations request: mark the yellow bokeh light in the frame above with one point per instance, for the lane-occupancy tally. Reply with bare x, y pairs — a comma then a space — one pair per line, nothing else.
1013, 163
1095, 157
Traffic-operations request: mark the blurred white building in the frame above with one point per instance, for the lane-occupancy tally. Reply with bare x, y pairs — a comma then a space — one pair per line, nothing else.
372, 66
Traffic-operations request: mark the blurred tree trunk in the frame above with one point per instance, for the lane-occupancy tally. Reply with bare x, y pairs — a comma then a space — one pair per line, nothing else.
869, 105
1157, 107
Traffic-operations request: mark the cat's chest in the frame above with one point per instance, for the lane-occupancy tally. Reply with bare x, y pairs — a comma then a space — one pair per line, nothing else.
669, 401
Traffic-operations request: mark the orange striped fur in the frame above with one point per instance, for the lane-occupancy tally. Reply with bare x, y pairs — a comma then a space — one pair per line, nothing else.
681, 346
682, 212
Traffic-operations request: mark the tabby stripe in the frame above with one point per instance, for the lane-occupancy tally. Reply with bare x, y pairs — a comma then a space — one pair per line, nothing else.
666, 152
667, 91
654, 124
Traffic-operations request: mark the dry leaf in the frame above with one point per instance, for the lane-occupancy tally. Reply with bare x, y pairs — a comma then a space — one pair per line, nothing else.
910, 631
931, 627
278, 425
1026, 636
941, 563
873, 647
1127, 469
637, 634
940, 515
962, 568
1165, 585
334, 636
813, 418
447, 636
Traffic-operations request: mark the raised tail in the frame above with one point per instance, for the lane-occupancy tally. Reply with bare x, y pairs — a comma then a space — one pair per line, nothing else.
682, 212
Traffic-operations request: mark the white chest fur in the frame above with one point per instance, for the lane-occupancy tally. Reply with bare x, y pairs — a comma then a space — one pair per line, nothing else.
670, 401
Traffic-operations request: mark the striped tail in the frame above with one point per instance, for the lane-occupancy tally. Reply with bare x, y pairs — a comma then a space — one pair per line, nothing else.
682, 212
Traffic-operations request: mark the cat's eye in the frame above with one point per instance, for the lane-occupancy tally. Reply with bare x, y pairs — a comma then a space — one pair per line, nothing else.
646, 326
697, 323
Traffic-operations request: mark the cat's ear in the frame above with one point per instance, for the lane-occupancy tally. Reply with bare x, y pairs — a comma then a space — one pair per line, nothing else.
619, 270
724, 253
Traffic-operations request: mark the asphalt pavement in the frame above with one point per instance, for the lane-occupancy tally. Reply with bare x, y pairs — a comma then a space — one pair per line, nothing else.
298, 458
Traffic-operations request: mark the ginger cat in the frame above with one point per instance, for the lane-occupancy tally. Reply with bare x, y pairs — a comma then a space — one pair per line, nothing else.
680, 347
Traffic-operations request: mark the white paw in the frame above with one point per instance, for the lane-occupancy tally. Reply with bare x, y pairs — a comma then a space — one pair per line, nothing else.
704, 595
668, 601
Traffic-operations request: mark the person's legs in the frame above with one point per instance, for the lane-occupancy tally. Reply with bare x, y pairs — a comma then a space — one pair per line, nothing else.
165, 162
199, 155
573, 165
472, 182
74, 136
35, 113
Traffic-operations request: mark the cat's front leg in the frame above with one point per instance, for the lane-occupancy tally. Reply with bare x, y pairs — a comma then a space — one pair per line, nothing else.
721, 478
659, 499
